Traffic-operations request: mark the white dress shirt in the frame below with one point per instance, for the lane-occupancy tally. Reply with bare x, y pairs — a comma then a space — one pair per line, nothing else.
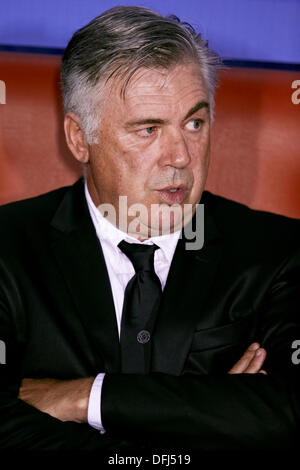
120, 271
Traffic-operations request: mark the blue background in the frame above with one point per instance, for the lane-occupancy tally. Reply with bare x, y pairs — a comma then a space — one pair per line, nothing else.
259, 30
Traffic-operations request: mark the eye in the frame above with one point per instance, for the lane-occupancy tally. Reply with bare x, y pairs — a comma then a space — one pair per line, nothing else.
194, 124
147, 131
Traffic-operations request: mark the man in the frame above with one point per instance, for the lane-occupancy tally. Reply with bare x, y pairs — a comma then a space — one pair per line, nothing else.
118, 331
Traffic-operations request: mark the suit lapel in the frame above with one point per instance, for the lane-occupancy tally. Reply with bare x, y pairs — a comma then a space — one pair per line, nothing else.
80, 258
190, 277
83, 267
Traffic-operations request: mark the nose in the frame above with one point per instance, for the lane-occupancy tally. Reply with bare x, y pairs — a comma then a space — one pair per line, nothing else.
175, 152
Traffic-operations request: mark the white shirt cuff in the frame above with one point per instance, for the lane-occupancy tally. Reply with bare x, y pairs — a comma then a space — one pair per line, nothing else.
94, 408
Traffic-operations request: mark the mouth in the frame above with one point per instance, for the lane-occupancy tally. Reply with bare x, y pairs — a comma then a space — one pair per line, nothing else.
174, 194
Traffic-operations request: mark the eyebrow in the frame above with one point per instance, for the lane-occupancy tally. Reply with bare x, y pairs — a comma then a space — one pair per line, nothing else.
193, 110
144, 121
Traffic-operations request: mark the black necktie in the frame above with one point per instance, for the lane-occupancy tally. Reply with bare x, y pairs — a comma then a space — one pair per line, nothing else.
141, 305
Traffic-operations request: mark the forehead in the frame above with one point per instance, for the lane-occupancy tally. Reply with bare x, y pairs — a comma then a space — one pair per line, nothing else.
178, 87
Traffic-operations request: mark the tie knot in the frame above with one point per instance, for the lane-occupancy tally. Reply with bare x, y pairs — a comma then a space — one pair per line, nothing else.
141, 256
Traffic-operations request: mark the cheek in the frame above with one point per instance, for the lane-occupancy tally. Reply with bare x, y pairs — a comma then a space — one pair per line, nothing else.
201, 156
137, 163
128, 156
199, 167
122, 172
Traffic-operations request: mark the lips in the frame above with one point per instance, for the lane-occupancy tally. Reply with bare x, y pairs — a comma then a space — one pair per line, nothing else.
173, 194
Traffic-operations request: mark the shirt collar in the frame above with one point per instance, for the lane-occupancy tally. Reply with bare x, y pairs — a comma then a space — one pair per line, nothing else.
112, 235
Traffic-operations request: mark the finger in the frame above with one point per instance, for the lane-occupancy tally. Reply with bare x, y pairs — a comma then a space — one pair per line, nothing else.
242, 364
26, 385
256, 363
263, 372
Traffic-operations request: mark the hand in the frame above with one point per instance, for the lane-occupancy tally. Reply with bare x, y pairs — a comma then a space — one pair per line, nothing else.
251, 361
66, 400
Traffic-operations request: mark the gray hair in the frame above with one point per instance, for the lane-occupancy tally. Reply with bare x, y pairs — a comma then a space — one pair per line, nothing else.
119, 42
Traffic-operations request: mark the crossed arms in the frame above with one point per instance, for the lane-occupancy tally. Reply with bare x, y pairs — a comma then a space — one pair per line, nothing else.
239, 409
205, 423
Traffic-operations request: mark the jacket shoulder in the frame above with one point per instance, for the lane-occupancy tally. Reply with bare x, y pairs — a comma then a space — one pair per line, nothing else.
259, 230
24, 220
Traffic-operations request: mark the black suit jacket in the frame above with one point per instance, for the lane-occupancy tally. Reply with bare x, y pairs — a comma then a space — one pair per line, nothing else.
57, 320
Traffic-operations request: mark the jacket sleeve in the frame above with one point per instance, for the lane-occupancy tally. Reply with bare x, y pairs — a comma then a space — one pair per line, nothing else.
205, 412
26, 428
21, 425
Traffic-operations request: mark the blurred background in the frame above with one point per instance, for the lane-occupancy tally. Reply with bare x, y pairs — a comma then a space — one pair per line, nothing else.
247, 30
255, 151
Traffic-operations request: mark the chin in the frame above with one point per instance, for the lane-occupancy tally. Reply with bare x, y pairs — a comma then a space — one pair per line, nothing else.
168, 221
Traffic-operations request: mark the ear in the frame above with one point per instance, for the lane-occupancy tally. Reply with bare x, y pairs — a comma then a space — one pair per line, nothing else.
75, 138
